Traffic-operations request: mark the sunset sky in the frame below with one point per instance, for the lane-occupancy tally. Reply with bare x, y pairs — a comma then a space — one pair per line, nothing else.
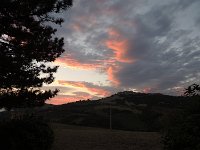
138, 45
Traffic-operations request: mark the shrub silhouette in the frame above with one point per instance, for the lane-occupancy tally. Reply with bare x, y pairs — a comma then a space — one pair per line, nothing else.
184, 131
27, 133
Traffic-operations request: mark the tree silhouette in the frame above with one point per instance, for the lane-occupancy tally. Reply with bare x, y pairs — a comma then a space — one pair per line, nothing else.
192, 90
184, 131
27, 44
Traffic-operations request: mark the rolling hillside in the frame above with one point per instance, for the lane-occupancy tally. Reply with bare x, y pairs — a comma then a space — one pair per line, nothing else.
128, 111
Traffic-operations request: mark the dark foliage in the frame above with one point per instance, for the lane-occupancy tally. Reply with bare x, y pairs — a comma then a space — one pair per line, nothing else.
27, 43
27, 133
193, 90
184, 135
151, 119
183, 132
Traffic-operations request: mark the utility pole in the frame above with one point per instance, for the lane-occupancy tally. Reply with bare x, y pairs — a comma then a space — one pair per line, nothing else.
110, 118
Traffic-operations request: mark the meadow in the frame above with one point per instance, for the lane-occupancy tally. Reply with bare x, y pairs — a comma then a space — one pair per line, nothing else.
87, 138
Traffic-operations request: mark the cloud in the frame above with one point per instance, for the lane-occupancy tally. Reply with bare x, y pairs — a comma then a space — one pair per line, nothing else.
76, 64
119, 45
81, 58
71, 91
111, 76
87, 87
141, 44
163, 51
63, 99
61, 89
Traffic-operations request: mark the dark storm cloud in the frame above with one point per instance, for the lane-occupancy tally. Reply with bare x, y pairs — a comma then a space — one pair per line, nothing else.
166, 49
197, 23
182, 4
165, 53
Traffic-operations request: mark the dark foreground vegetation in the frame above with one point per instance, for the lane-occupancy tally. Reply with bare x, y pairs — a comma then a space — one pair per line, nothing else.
27, 133
174, 118
86, 138
27, 43
183, 132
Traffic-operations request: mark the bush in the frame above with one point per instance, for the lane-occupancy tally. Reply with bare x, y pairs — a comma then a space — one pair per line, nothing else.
184, 131
28, 133
185, 136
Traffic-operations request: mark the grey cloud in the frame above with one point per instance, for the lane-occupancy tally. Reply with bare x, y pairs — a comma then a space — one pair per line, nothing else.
185, 3
163, 70
166, 53
61, 89
197, 23
160, 65
57, 87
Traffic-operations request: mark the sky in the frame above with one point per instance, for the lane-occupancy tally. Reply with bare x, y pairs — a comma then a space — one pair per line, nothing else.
117, 45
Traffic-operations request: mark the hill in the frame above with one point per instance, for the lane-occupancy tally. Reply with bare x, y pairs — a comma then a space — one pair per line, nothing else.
128, 111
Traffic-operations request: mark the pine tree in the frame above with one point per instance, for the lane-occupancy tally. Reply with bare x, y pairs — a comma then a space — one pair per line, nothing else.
27, 44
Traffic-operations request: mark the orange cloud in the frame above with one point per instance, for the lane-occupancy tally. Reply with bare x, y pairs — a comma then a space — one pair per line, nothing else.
76, 27
146, 90
63, 99
119, 45
111, 76
86, 87
73, 63
76, 64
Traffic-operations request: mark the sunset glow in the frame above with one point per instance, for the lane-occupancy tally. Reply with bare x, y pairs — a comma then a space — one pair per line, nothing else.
111, 47
112, 77
119, 45
83, 86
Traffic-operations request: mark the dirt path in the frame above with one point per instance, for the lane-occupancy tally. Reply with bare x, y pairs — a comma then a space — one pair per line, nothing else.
82, 138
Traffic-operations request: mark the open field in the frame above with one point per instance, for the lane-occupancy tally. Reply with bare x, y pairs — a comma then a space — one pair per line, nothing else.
85, 138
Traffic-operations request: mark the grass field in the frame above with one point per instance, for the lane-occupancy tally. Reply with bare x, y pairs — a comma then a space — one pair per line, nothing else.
86, 138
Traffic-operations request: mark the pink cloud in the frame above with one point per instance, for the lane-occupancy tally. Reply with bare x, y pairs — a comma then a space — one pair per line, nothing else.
119, 44
74, 63
63, 99
111, 75
89, 87
147, 90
